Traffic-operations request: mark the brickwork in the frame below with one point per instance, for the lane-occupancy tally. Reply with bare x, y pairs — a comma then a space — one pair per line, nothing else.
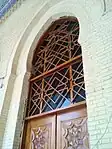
98, 77
16, 44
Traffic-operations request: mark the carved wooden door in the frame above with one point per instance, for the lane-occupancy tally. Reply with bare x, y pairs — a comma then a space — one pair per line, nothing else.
40, 133
63, 129
72, 129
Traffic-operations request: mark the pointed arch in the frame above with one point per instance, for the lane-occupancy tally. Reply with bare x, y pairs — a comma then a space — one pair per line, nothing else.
57, 78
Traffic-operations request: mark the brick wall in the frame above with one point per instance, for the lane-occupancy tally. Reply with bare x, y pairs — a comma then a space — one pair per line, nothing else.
98, 75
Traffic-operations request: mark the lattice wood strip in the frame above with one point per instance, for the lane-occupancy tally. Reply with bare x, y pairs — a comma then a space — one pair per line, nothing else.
54, 47
59, 72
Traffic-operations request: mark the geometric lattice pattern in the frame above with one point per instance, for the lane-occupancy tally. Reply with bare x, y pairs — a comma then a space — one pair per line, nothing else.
59, 45
57, 73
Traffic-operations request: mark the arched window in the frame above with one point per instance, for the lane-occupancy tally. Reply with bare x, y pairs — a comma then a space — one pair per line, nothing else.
56, 83
57, 78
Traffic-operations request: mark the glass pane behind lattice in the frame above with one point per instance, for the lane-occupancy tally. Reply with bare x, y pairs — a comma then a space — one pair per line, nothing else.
55, 94
57, 90
35, 98
78, 82
57, 69
58, 46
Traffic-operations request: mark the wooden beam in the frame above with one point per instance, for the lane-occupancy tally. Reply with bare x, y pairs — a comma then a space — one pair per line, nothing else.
74, 106
72, 60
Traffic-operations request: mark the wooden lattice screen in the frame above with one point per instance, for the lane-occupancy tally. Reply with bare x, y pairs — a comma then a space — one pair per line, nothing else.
57, 70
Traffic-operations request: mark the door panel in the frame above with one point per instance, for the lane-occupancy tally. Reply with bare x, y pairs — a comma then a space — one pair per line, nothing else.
65, 129
41, 133
72, 130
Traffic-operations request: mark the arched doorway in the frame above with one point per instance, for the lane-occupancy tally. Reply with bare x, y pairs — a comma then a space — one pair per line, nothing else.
56, 116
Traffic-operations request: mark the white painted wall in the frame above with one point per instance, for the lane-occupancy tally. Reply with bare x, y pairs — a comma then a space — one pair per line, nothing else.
18, 37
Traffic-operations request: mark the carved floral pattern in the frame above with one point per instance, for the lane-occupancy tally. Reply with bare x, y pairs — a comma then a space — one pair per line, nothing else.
40, 138
75, 134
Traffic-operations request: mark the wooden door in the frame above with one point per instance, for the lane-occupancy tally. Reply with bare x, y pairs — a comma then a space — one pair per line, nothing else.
72, 132
63, 129
40, 133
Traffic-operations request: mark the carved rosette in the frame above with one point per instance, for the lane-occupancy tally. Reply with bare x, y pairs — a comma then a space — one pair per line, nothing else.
75, 134
40, 138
